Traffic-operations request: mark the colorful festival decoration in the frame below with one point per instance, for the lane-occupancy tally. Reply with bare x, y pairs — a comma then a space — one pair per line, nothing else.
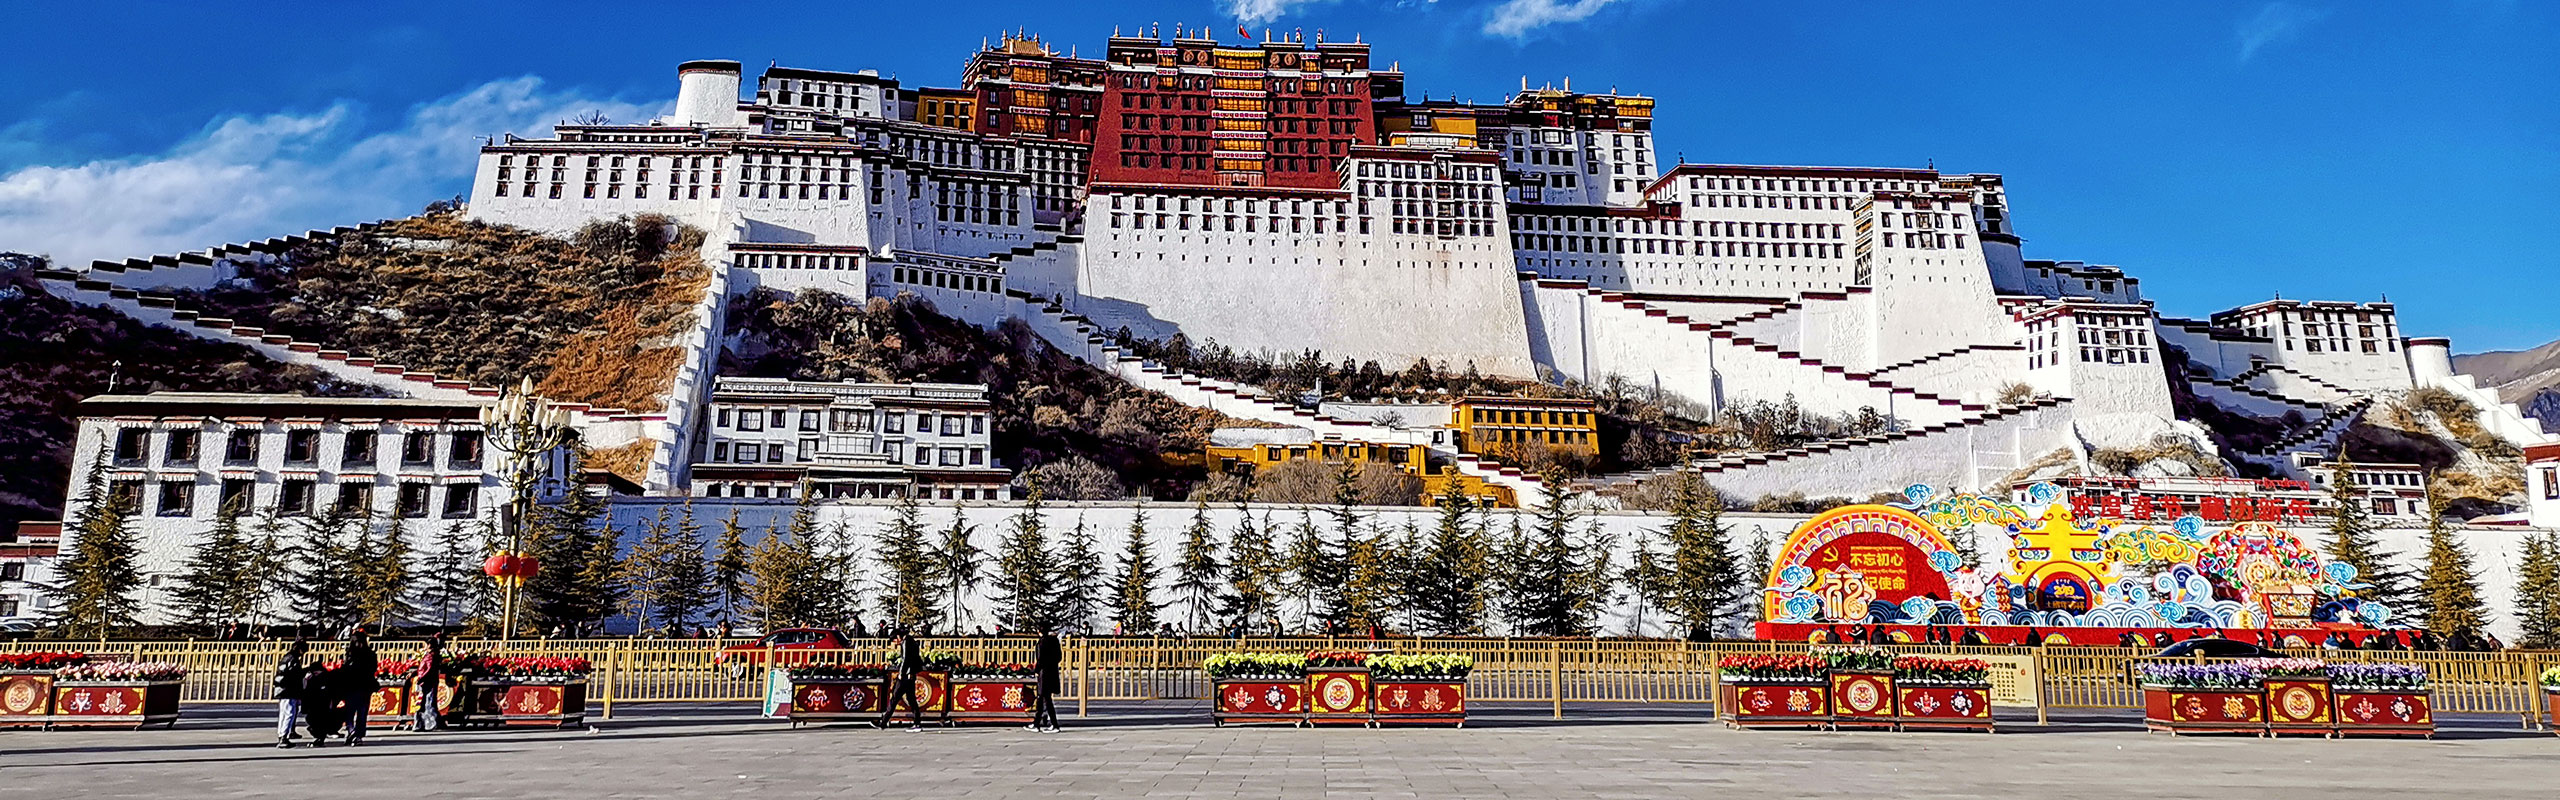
1898, 564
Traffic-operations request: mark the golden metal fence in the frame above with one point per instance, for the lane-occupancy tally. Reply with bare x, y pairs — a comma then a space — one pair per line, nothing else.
1555, 672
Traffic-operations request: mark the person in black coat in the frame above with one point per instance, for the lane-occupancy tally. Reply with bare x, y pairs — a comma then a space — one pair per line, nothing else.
355, 684
902, 685
1046, 661
291, 675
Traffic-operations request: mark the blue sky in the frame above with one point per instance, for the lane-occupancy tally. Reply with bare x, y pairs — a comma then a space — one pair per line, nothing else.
2223, 151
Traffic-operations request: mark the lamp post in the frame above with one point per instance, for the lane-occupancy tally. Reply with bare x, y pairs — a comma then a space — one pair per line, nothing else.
523, 430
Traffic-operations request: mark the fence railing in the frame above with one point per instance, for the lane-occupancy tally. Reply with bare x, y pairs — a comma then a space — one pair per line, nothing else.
1554, 672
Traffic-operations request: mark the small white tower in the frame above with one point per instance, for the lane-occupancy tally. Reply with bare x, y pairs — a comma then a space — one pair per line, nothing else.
707, 93
2430, 360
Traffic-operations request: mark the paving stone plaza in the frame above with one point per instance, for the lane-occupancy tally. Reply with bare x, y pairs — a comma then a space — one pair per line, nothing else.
1168, 749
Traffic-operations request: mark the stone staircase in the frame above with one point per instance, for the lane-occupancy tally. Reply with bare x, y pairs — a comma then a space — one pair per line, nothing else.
1959, 453
1727, 344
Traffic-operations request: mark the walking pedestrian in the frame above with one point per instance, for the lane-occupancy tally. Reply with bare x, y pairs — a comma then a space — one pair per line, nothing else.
356, 684
291, 674
902, 685
429, 680
1046, 662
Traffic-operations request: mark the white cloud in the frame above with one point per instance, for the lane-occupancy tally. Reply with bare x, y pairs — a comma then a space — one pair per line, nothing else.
1517, 18
252, 177
1265, 10
2274, 22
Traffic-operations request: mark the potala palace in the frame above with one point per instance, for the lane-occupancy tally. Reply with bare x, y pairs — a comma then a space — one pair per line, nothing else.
1287, 195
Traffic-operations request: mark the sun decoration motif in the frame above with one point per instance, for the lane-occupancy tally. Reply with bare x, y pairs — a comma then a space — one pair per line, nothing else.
1862, 696
1800, 700
2235, 707
2300, 702
20, 698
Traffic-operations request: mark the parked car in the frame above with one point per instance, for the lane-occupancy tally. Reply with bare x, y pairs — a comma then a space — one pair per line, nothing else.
19, 628
2215, 648
738, 661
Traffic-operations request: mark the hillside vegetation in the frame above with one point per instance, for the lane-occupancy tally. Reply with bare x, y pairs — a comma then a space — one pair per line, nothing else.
593, 317
59, 353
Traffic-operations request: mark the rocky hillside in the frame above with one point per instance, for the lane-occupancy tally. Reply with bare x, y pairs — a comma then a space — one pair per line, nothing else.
59, 352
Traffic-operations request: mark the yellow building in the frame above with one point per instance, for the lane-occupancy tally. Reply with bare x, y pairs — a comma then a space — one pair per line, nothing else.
1501, 426
1242, 450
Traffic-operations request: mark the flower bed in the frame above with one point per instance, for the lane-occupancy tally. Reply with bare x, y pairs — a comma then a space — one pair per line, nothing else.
527, 691
1861, 682
26, 686
837, 692
994, 692
1774, 691
2380, 700
1942, 694
2298, 697
1338, 687
2551, 699
395, 703
116, 694
1257, 687
1420, 688
2204, 698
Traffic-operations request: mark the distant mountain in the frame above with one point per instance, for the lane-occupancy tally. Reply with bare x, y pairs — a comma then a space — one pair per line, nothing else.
2528, 378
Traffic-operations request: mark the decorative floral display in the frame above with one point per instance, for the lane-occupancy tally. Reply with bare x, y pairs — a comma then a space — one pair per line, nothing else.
46, 661
934, 660
2291, 667
1422, 667
121, 671
1941, 671
1255, 666
2231, 676
524, 668
840, 672
998, 671
1857, 659
1800, 669
2359, 677
1337, 659
2551, 679
397, 668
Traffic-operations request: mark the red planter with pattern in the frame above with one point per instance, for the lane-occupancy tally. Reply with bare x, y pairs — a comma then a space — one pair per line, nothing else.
1862, 700
2204, 710
993, 699
1747, 704
1961, 707
114, 704
2300, 706
933, 698
837, 700
26, 699
1259, 701
2551, 706
1338, 695
1420, 701
499, 701
2362, 713
395, 705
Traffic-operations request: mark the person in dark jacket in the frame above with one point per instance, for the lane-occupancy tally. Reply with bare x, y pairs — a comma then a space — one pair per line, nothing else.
291, 675
355, 683
902, 685
1046, 661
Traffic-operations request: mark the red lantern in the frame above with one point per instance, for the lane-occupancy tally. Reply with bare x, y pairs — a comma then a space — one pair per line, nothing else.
511, 567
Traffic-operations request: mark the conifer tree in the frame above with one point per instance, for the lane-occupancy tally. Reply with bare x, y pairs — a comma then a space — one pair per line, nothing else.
382, 574
1026, 574
102, 572
1506, 572
1368, 586
670, 580
1556, 592
1449, 570
2538, 593
955, 565
452, 587
906, 564
2352, 541
580, 581
782, 587
1133, 606
1756, 564
1703, 579
272, 565
1311, 566
1197, 575
840, 574
1080, 580
1254, 574
327, 570
2451, 586
729, 569
1647, 581
1599, 580
217, 587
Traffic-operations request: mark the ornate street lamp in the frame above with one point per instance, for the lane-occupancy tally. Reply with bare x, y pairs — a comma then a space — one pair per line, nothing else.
524, 430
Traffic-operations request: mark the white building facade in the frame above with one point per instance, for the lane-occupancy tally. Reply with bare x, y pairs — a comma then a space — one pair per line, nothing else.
769, 437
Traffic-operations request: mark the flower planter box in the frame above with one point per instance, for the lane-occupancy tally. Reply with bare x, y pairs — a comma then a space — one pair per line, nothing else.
1248, 700
1861, 699
1338, 695
933, 698
395, 704
1955, 707
1774, 704
817, 700
1420, 701
2300, 706
114, 704
525, 703
2551, 708
2179, 711
992, 699
2384, 713
26, 698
